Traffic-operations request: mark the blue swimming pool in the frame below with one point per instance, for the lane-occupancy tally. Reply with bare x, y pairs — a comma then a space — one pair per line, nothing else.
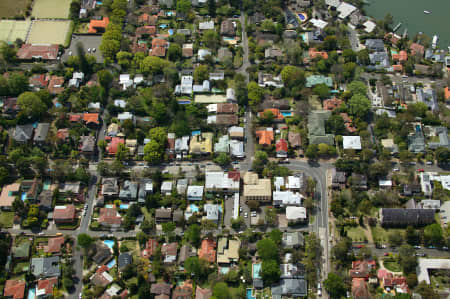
23, 196
256, 271
418, 128
111, 263
109, 243
225, 38
184, 102
249, 294
46, 185
286, 113
124, 206
224, 270
31, 293
194, 208
109, 206
99, 2
170, 31
302, 17
198, 132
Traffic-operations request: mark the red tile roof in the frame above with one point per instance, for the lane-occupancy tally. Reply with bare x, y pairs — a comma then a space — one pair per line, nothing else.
397, 67
207, 250
14, 289
169, 249
47, 285
332, 104
234, 175
158, 51
148, 19
158, 42
282, 145
74, 117
417, 49
401, 56
265, 137
55, 86
109, 216
91, 118
45, 52
94, 25
447, 93
148, 30
276, 113
359, 289
62, 134
313, 53
114, 145
150, 248
54, 245
64, 214
39, 80
203, 293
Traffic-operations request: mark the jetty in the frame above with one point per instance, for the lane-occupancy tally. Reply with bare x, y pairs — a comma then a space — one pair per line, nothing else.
396, 27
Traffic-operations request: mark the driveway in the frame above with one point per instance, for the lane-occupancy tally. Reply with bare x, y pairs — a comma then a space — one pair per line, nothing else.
88, 42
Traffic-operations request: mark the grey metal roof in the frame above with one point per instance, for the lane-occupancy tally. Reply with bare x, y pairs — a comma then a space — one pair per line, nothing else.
45, 266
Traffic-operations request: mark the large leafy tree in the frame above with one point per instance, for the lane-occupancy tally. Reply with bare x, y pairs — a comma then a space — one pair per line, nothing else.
292, 76
267, 249
31, 105
335, 285
359, 106
270, 271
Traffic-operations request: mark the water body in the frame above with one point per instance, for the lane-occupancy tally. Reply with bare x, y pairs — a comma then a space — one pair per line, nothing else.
410, 14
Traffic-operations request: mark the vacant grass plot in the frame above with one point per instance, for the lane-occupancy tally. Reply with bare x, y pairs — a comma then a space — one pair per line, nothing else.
11, 30
49, 32
51, 9
12, 8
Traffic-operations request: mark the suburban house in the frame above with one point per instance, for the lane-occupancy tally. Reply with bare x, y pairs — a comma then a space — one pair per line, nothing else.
45, 267
207, 250
292, 239
228, 251
98, 25
222, 181
14, 289
101, 277
265, 136
8, 195
295, 214
316, 128
110, 187
64, 214
54, 245
110, 217
43, 52
281, 148
169, 252
150, 248
163, 215
44, 287
195, 192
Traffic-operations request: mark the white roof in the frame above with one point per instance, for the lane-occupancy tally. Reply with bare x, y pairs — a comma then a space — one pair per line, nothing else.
295, 213
125, 115
78, 75
427, 264
236, 205
369, 26
202, 53
166, 186
385, 183
124, 78
195, 191
287, 198
236, 129
333, 3
206, 25
293, 182
318, 23
219, 180
120, 103
95, 105
212, 108
352, 142
237, 148
279, 182
444, 212
345, 10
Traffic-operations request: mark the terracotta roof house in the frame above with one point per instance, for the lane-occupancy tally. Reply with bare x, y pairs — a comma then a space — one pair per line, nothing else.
45, 287
114, 145
145, 31
44, 52
313, 53
109, 217
332, 104
75, 117
64, 214
54, 245
159, 42
14, 289
183, 291
203, 293
348, 122
139, 47
265, 136
150, 248
417, 49
207, 250
62, 134
160, 289
91, 118
8, 195
55, 85
281, 148
158, 51
227, 108
148, 19
38, 81
101, 277
227, 28
276, 114
361, 269
294, 139
98, 26
359, 289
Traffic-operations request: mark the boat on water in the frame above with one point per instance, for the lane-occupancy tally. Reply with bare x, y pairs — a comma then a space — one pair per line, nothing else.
435, 41
426, 12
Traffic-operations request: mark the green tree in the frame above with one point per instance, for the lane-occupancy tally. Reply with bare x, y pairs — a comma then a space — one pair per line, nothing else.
152, 152
85, 241
359, 106
8, 53
270, 271
255, 94
183, 6
322, 90
395, 239
212, 8
153, 65
201, 73
335, 286
276, 235
211, 39
105, 78
174, 52
427, 291
17, 84
312, 151
267, 249
335, 125
433, 234
357, 87
193, 234
124, 59
363, 57
259, 161
221, 291
442, 155
31, 105
109, 48
223, 159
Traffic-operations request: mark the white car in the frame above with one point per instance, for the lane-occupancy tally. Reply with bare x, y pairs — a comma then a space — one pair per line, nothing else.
89, 50
253, 214
246, 215
93, 50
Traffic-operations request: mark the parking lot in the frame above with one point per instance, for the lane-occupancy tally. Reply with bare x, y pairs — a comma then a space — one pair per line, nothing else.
88, 42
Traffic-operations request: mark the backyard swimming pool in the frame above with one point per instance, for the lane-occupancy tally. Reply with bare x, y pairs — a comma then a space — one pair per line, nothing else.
194, 208
109, 243
249, 294
23, 196
46, 185
124, 206
302, 16
111, 263
109, 206
31, 293
286, 113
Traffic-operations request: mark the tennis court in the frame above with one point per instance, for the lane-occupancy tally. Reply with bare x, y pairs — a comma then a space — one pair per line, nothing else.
10, 30
51, 9
49, 32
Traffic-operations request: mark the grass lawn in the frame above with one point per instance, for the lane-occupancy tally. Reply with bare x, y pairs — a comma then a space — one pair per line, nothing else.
356, 234
131, 281
146, 213
21, 267
132, 246
392, 266
11, 8
382, 235
6, 219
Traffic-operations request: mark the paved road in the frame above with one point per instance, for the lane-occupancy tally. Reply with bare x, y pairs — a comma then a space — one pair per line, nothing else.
245, 62
428, 252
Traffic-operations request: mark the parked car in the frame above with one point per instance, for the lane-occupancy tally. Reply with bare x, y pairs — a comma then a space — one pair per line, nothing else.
417, 247
429, 162
246, 215
386, 253
420, 170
